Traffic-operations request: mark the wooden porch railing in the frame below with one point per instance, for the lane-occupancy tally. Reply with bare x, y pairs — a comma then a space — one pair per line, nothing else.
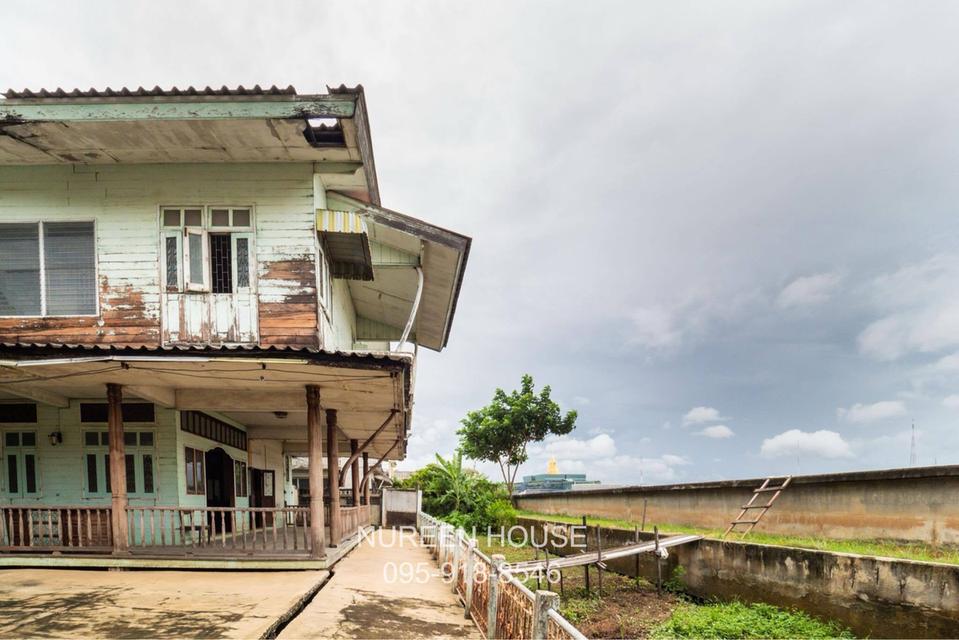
230, 530
354, 518
55, 528
211, 531
227, 529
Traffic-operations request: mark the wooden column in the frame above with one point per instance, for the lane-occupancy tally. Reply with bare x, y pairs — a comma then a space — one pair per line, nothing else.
314, 436
333, 476
355, 473
366, 485
118, 469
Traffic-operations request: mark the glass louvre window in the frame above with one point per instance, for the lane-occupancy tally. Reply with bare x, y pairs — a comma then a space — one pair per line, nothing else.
20, 270
64, 253
70, 268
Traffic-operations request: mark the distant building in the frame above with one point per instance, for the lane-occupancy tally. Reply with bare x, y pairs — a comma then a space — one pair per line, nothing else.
552, 480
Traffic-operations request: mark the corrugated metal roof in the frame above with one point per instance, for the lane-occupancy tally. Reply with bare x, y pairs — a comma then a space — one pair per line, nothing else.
255, 90
207, 349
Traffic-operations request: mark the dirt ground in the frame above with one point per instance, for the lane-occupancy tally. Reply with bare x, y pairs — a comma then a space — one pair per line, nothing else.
625, 610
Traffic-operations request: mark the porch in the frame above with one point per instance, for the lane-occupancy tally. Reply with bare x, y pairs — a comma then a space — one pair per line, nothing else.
188, 472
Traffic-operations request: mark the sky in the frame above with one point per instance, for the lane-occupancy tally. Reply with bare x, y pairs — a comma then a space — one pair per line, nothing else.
724, 232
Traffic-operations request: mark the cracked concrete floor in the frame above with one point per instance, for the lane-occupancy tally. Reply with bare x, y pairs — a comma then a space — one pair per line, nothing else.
55, 603
368, 597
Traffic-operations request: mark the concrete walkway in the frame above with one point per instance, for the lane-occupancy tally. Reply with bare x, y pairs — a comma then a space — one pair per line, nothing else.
57, 603
388, 587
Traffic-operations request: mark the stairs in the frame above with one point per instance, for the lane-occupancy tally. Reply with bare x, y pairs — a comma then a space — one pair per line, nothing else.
758, 509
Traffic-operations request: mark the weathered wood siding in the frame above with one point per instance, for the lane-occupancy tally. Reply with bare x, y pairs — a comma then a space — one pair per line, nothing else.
124, 201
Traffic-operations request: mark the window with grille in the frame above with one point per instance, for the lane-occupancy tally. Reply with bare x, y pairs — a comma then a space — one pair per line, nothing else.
48, 269
207, 250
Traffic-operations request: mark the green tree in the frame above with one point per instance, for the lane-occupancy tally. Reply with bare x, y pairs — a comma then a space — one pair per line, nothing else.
501, 431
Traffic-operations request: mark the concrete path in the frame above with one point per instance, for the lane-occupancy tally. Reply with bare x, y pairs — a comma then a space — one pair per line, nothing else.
55, 603
388, 587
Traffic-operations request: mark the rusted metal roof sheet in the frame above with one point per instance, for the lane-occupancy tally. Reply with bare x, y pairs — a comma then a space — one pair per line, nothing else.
39, 349
140, 92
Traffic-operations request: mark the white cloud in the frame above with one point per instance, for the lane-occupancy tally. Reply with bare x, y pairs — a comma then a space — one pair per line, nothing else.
600, 446
717, 431
951, 401
920, 310
701, 415
863, 413
822, 443
674, 460
809, 290
581, 400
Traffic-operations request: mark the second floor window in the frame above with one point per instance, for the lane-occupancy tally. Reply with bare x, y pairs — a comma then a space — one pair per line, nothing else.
207, 249
48, 269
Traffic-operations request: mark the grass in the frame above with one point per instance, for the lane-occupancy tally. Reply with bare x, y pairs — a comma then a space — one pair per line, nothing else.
739, 620
885, 548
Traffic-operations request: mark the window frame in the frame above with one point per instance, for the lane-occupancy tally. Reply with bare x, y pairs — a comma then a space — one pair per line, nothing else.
43, 270
241, 471
324, 283
20, 451
194, 452
184, 283
189, 285
102, 452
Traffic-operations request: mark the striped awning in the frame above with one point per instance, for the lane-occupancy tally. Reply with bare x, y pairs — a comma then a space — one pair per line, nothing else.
347, 243
328, 220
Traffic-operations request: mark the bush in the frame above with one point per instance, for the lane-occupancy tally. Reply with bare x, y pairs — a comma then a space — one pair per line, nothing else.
676, 583
734, 620
463, 497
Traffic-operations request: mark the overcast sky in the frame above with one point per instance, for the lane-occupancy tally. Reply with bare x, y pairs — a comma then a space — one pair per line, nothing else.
725, 233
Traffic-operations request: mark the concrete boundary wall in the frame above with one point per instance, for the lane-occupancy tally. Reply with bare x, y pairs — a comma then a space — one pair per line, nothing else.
915, 504
875, 597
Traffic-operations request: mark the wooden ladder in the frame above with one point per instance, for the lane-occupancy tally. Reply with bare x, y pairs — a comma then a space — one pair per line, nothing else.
749, 506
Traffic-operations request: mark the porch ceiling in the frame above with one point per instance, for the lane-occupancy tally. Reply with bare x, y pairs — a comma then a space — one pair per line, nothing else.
247, 389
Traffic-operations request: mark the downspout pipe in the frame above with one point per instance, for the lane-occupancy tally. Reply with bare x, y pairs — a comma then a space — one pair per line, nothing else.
416, 307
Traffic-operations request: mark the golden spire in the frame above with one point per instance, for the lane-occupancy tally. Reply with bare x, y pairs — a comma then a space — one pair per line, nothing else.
551, 467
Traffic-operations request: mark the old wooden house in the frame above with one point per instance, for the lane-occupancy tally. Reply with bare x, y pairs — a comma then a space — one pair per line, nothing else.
196, 286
